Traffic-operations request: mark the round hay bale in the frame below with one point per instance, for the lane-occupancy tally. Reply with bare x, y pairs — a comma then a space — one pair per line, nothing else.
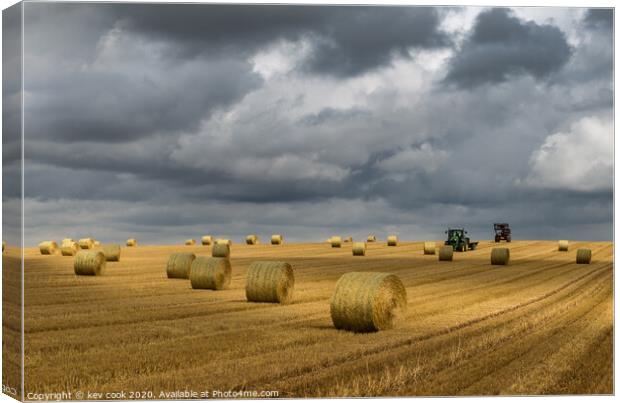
221, 250
69, 248
48, 247
190, 242
112, 252
368, 302
392, 240
89, 263
349, 239
251, 239
563, 245
224, 241
179, 265
429, 248
132, 242
270, 282
359, 249
86, 243
500, 256
371, 238
3, 245
206, 240
96, 244
584, 256
277, 239
66, 240
210, 273
336, 242
445, 253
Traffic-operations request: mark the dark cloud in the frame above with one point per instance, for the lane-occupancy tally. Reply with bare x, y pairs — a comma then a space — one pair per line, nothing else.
501, 46
599, 18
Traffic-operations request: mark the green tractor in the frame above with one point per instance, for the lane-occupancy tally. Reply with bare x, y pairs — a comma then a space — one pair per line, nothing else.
458, 240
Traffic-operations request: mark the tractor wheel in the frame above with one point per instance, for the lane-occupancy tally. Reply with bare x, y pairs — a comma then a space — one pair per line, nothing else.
507, 239
496, 238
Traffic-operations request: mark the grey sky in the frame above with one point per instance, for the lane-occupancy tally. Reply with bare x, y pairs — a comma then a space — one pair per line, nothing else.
165, 122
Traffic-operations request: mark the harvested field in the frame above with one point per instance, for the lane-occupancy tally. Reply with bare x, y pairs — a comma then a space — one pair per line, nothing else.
541, 325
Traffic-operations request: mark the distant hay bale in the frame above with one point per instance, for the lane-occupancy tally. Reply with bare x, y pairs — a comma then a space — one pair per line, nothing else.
69, 248
112, 252
359, 249
371, 238
429, 248
336, 242
584, 256
270, 282
66, 240
392, 240
179, 265
368, 302
445, 253
277, 239
89, 263
190, 242
221, 250
349, 239
96, 244
210, 273
500, 256
224, 241
132, 242
86, 243
251, 239
206, 240
48, 247
563, 245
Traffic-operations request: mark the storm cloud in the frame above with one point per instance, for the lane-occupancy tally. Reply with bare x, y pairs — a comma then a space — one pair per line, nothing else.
169, 121
501, 45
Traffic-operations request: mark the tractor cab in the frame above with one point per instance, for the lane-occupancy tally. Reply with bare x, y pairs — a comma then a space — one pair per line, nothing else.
502, 232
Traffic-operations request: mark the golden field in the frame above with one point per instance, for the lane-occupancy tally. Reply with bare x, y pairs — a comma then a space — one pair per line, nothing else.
541, 325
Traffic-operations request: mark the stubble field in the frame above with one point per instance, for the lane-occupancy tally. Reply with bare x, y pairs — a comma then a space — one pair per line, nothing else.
542, 325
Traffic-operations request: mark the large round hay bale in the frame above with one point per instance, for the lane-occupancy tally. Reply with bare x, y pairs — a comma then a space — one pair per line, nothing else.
429, 248
277, 239
584, 256
445, 253
392, 240
221, 250
132, 242
371, 238
206, 240
210, 273
190, 242
563, 245
112, 252
359, 249
89, 263
69, 248
500, 256
251, 239
86, 243
179, 265
224, 241
336, 241
367, 302
48, 247
270, 282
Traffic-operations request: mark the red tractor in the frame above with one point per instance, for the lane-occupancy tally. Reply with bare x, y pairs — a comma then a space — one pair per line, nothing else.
502, 232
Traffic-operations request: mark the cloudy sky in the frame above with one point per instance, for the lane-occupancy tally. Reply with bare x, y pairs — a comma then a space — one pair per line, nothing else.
165, 122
